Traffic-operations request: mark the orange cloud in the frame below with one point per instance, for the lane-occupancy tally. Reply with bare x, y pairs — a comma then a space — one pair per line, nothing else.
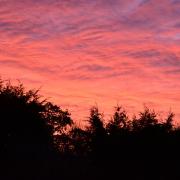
87, 52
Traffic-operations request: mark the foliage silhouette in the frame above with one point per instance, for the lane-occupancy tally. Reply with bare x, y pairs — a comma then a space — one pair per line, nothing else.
27, 125
38, 140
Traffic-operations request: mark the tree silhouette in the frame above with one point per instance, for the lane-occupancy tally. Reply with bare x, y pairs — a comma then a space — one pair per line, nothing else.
27, 125
146, 119
39, 140
96, 130
95, 121
118, 122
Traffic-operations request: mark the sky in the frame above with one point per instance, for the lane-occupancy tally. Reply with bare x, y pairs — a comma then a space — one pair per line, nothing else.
94, 52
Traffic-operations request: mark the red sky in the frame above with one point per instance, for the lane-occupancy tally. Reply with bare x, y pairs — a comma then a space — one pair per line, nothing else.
84, 52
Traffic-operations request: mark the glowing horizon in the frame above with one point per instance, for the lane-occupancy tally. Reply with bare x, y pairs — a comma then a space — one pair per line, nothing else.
84, 52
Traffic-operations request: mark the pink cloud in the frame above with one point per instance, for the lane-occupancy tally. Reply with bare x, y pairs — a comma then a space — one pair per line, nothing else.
87, 52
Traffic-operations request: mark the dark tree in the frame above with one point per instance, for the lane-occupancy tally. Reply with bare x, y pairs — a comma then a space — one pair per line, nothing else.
118, 122
27, 127
38, 140
95, 121
97, 132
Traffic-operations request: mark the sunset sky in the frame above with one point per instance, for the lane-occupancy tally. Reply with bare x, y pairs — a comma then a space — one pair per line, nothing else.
87, 52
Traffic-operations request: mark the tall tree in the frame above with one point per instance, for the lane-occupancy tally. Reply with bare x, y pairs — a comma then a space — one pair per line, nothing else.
27, 127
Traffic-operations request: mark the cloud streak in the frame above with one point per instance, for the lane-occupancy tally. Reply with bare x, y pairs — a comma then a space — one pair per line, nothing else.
104, 51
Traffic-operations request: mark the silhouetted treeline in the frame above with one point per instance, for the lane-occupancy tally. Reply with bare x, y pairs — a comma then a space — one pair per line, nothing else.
39, 140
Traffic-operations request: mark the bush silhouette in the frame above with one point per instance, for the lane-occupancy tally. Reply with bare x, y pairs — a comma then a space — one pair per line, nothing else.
27, 125
39, 140
141, 148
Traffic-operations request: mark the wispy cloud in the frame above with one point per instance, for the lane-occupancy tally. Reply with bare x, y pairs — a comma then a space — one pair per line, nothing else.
105, 51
